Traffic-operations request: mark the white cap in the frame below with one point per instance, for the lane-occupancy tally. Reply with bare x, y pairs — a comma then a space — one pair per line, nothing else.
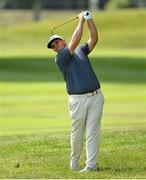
53, 38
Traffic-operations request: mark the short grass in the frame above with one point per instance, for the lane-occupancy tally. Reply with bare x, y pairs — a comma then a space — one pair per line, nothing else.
35, 130
34, 119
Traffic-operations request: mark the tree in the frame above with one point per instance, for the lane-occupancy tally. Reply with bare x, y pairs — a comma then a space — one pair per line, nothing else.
36, 10
93, 4
3, 3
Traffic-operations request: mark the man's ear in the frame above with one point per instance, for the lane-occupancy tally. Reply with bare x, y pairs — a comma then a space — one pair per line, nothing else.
64, 42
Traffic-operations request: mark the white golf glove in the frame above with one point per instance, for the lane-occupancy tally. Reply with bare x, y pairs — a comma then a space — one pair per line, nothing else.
87, 15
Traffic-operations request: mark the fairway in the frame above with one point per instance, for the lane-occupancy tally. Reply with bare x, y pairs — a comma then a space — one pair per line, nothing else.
35, 130
34, 119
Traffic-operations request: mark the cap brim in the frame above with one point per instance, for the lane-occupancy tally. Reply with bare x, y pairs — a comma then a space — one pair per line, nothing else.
50, 42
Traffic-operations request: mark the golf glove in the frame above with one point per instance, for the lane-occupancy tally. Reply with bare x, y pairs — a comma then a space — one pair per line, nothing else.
87, 15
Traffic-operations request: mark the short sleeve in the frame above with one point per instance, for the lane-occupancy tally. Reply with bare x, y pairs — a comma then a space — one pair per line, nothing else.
63, 56
85, 48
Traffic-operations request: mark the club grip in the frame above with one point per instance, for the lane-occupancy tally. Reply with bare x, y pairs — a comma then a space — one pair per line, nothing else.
87, 15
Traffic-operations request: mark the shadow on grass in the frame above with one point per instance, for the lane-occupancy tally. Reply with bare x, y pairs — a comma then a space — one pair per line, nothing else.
112, 70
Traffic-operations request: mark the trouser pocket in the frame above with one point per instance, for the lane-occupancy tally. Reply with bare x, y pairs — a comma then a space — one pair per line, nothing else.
75, 108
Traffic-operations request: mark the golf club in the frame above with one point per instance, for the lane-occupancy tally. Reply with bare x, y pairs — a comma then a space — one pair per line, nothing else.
52, 30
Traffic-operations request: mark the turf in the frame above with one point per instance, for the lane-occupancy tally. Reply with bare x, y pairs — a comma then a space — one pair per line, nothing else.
45, 156
34, 119
109, 69
35, 130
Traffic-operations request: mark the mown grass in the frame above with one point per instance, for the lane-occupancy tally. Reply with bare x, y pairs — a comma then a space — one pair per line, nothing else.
35, 132
33, 107
109, 69
34, 120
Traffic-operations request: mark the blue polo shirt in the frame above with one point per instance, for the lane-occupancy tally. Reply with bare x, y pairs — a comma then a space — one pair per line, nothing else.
77, 70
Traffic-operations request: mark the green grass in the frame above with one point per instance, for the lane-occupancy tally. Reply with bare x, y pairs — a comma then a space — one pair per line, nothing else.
35, 129
46, 155
37, 106
119, 30
34, 120
109, 69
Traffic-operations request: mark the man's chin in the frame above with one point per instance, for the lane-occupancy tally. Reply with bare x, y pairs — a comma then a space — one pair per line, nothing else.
59, 49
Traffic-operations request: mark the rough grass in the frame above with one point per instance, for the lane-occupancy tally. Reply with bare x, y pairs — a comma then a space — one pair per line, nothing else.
46, 155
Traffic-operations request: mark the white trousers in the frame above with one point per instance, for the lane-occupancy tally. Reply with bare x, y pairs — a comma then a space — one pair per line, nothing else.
85, 112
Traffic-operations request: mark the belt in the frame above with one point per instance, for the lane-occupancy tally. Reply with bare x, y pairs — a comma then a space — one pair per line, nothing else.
86, 94
92, 93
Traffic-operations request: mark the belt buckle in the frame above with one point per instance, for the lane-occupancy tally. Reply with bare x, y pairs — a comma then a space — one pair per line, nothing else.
96, 92
89, 94
92, 93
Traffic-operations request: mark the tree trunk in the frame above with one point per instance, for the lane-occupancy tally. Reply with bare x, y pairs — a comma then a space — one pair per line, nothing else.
36, 10
93, 5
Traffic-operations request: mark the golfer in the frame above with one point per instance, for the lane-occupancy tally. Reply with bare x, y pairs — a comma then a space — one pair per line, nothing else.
85, 96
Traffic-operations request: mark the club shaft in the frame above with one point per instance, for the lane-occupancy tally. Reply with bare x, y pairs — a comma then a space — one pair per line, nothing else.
63, 24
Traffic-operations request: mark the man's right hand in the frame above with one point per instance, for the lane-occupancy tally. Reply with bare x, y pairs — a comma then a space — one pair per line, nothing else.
81, 17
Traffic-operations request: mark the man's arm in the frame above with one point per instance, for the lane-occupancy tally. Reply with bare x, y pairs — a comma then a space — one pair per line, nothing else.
92, 30
93, 34
77, 35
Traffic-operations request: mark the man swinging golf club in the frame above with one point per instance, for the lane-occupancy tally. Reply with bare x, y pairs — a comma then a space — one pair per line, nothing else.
85, 97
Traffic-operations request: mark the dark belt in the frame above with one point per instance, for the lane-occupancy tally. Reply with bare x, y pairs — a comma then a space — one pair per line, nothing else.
92, 93
86, 94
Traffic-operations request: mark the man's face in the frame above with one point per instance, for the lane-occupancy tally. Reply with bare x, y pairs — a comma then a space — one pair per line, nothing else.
58, 44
